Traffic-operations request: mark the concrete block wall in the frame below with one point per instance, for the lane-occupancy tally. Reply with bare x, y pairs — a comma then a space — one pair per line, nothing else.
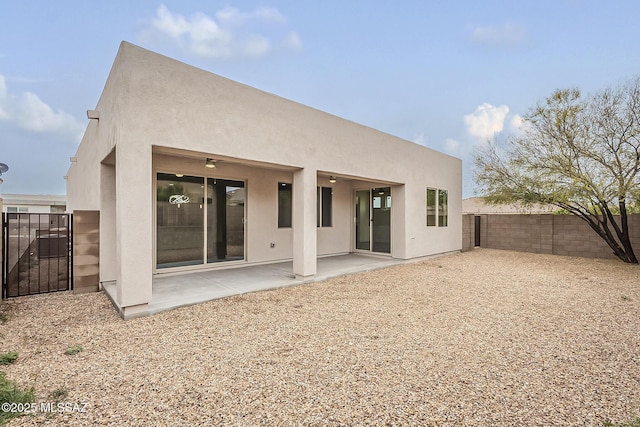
574, 237
545, 233
526, 233
468, 231
86, 251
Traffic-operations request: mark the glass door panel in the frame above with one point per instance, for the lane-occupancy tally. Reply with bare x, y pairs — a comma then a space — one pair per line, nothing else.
363, 218
179, 220
225, 220
381, 216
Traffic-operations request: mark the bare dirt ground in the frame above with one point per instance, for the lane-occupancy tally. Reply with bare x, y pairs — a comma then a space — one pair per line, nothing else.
481, 338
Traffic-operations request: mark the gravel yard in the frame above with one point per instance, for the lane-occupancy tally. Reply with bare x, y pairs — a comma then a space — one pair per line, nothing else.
480, 338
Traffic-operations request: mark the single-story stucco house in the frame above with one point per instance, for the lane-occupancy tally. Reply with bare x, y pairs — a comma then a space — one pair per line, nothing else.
190, 170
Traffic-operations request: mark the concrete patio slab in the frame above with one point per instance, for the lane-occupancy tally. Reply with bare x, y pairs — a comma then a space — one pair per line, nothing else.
179, 290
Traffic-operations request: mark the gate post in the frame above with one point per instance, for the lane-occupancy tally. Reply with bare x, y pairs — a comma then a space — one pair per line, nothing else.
2, 254
86, 251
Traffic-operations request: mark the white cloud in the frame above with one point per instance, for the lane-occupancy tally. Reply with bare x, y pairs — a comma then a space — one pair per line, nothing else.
452, 146
518, 125
257, 46
28, 111
486, 121
293, 42
508, 35
229, 33
231, 15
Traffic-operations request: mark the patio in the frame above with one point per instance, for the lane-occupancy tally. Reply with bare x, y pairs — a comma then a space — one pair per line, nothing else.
178, 290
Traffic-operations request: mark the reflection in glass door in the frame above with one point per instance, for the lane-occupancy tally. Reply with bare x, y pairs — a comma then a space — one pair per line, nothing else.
179, 220
363, 220
181, 235
381, 219
225, 220
373, 220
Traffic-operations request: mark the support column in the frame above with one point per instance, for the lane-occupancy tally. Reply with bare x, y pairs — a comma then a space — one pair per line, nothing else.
134, 227
400, 247
108, 262
304, 222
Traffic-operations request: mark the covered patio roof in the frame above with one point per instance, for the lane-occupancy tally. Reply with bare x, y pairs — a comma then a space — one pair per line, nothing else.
173, 291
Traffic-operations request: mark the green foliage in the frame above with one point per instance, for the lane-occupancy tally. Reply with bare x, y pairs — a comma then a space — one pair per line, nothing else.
3, 318
579, 153
635, 422
8, 358
163, 193
74, 349
10, 393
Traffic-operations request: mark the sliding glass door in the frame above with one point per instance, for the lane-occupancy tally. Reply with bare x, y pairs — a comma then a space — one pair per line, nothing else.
381, 220
180, 220
363, 220
373, 220
192, 232
225, 220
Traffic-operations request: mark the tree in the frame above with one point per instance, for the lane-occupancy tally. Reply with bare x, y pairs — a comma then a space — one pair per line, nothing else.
579, 153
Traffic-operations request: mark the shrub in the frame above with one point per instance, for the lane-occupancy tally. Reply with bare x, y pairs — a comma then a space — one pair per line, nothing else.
634, 422
10, 393
74, 349
8, 358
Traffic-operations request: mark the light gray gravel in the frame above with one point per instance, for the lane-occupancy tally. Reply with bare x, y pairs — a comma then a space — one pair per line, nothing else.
481, 338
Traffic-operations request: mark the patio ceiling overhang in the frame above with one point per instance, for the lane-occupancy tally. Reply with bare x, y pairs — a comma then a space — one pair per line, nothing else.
198, 156
365, 180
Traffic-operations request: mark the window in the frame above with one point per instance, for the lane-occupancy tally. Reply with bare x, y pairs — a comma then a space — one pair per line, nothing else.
443, 208
199, 220
14, 209
324, 206
431, 207
437, 207
285, 205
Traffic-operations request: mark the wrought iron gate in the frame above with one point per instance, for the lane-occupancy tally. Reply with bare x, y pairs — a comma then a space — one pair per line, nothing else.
36, 253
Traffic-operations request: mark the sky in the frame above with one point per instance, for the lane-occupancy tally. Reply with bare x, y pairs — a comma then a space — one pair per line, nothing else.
448, 75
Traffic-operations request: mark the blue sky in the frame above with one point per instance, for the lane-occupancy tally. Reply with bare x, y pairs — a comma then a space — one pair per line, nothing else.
447, 75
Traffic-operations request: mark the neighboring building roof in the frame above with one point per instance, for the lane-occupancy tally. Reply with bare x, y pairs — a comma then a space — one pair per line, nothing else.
477, 205
34, 199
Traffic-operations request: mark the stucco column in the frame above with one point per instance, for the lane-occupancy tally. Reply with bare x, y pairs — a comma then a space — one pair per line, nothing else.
304, 222
399, 224
108, 262
134, 227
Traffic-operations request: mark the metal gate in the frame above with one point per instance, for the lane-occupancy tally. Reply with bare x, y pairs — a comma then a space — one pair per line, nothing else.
36, 253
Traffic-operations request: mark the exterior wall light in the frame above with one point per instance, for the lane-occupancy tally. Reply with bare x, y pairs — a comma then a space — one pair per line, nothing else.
179, 175
210, 163
332, 179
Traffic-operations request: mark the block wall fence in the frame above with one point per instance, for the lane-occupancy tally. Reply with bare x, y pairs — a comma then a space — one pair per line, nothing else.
544, 233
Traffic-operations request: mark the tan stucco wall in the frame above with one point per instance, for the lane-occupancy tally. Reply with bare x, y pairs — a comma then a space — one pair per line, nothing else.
155, 104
